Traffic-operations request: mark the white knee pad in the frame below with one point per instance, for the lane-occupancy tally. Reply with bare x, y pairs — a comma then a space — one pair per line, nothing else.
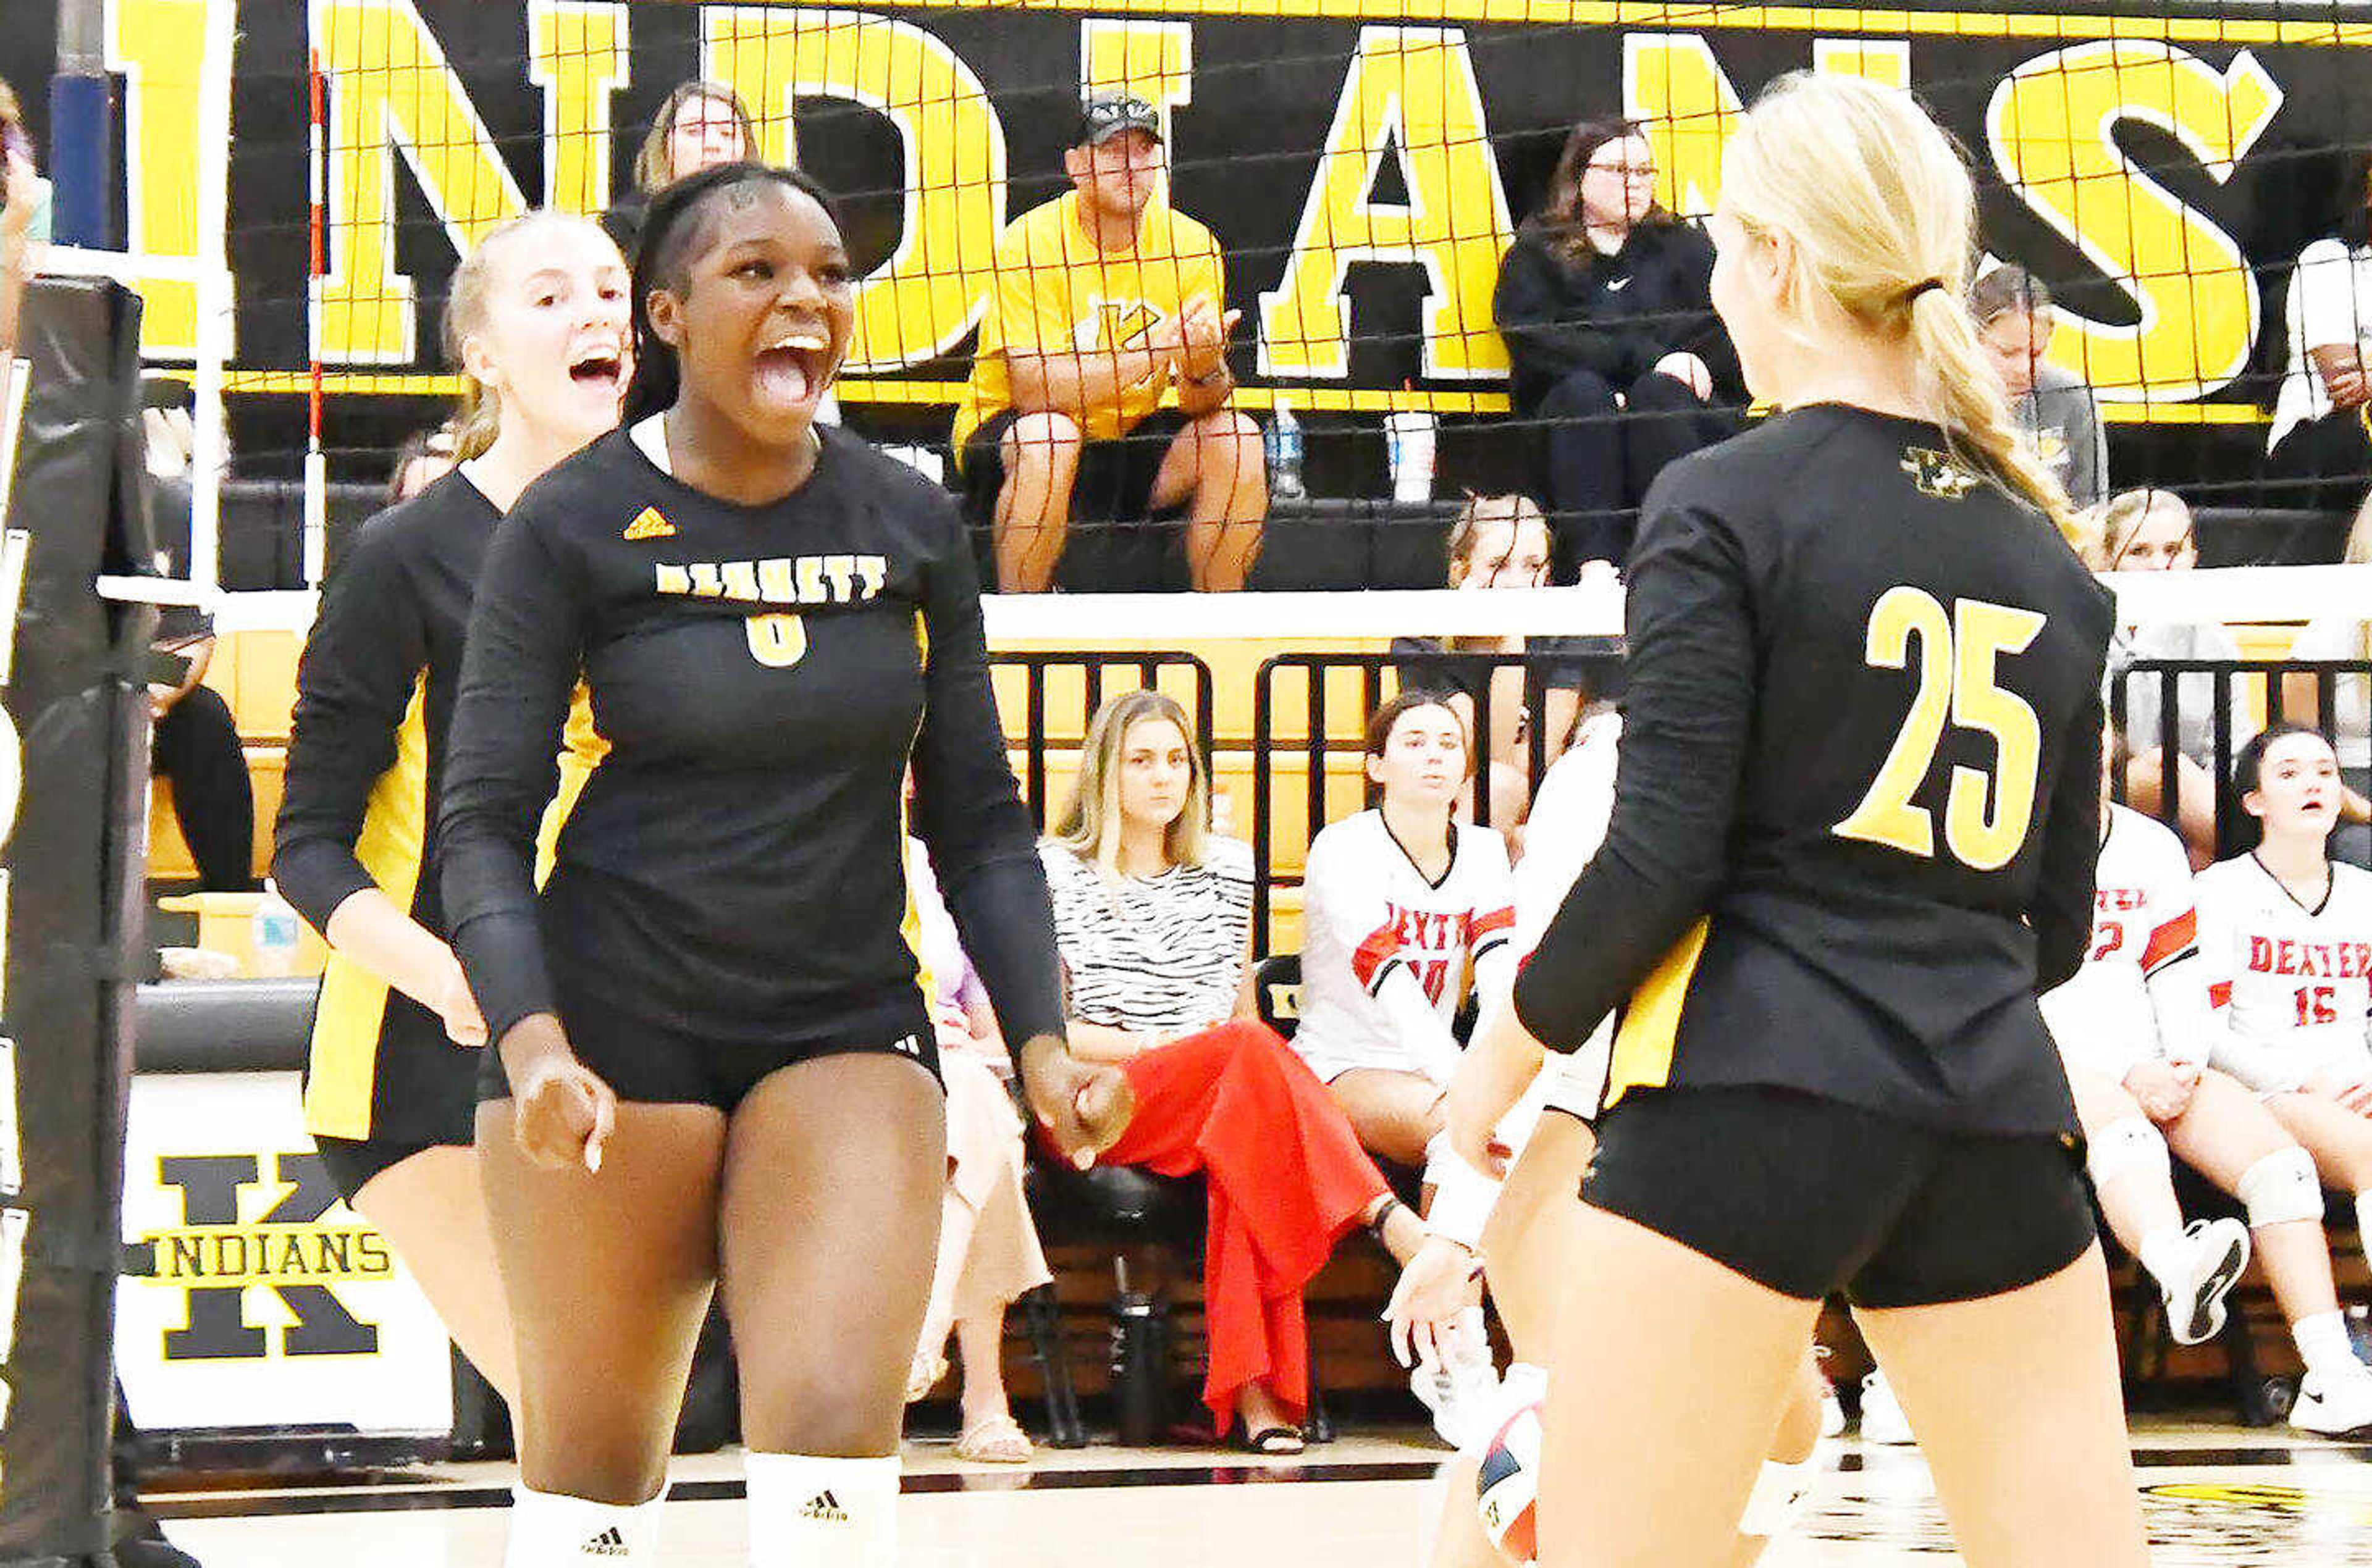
2124, 1147
1782, 1493
2281, 1189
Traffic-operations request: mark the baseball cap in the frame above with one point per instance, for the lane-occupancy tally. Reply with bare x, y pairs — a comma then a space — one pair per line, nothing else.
1105, 115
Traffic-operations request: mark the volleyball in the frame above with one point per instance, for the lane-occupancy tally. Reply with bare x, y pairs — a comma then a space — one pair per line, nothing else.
1507, 1484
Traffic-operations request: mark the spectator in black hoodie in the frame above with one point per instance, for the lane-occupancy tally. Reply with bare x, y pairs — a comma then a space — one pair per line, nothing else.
1604, 302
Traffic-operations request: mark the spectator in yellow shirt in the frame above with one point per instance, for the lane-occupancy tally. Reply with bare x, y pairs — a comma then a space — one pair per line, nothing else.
1108, 306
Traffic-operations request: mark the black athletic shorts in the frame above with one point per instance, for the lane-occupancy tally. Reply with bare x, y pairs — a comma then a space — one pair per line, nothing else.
1119, 543
352, 1162
660, 1066
1812, 1197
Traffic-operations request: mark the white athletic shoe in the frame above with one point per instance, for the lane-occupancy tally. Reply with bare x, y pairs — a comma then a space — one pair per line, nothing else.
1882, 1420
2216, 1252
2334, 1407
1461, 1388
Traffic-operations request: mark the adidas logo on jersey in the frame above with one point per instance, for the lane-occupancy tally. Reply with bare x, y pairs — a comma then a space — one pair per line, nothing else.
648, 525
609, 1543
824, 1508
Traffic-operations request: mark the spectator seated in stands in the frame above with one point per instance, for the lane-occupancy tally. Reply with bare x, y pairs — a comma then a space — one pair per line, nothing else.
196, 747
425, 457
2342, 637
1502, 541
1605, 302
988, 1249
1398, 901
700, 125
2284, 932
2052, 407
1109, 301
2152, 530
1153, 916
2137, 1030
2319, 450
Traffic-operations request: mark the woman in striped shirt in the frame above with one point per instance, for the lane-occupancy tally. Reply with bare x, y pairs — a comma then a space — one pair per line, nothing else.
1153, 915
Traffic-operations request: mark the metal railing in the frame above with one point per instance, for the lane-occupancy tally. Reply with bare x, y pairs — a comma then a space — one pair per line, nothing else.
1546, 670
2241, 696
1093, 666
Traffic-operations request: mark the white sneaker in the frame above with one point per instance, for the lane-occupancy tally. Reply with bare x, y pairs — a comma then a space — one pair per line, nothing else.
2216, 1253
1882, 1420
1461, 1388
2334, 1407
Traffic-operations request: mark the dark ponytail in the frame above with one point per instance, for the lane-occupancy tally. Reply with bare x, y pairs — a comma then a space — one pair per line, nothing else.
669, 232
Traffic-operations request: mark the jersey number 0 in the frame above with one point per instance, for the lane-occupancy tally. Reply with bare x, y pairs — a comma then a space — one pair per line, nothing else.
1986, 820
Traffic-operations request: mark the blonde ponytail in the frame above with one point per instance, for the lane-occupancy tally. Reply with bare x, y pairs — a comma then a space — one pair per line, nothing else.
477, 419
1879, 204
1975, 411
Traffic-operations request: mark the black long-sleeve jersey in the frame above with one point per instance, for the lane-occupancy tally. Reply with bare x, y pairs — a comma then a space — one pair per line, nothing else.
1616, 315
761, 676
1857, 804
366, 748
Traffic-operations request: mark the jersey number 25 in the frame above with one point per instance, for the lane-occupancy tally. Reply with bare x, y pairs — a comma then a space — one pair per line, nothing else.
1986, 820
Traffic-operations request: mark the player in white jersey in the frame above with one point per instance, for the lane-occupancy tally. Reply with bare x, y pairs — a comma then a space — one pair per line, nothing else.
1399, 903
2136, 1031
2287, 935
1522, 1227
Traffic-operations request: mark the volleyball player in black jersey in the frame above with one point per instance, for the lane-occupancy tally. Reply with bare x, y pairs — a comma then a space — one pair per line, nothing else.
536, 321
1853, 832
713, 1060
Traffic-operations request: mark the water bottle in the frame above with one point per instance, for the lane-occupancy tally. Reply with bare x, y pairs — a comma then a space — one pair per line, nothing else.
1140, 1366
1285, 455
1410, 437
274, 934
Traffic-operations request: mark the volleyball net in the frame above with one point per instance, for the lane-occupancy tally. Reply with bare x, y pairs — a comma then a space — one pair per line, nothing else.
2161, 167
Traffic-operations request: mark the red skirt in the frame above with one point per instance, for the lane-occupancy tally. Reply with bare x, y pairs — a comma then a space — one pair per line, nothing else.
1286, 1178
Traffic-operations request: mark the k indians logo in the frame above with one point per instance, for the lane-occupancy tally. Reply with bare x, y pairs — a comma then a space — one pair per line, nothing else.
217, 1256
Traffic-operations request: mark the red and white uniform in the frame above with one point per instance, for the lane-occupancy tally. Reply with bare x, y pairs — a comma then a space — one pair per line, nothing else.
1568, 822
2292, 984
1385, 952
2143, 989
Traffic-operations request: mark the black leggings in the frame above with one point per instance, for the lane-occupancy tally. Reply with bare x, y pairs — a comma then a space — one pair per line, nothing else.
2321, 465
1601, 456
197, 748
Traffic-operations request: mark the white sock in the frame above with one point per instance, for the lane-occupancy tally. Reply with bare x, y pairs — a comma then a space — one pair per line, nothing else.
2163, 1253
2323, 1345
2364, 1216
550, 1529
815, 1512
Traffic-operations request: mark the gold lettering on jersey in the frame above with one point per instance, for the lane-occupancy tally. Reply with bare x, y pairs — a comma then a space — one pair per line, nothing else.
779, 579
1937, 474
777, 642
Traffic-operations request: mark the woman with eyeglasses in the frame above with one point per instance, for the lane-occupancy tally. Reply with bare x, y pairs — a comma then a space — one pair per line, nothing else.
1605, 306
